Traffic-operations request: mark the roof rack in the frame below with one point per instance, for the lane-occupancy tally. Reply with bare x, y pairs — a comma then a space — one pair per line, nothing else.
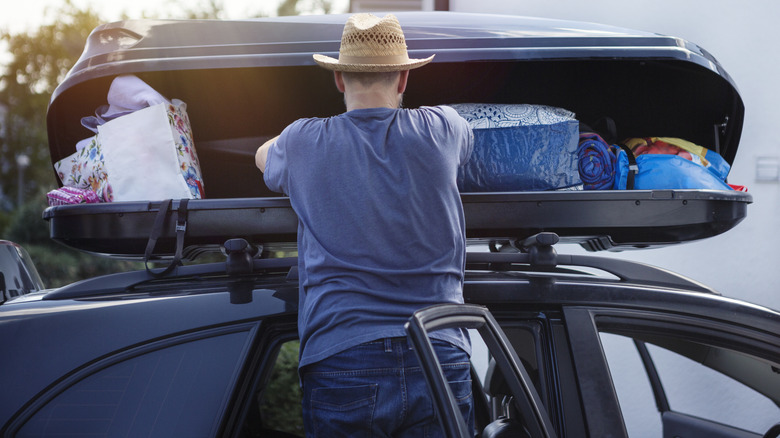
537, 252
122, 283
628, 272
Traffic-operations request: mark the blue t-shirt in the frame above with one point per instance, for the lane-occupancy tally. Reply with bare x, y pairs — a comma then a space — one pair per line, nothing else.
381, 230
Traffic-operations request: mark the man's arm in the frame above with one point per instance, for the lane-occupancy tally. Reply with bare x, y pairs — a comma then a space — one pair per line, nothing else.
262, 154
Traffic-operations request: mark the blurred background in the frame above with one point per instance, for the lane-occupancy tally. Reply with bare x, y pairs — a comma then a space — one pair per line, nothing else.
39, 41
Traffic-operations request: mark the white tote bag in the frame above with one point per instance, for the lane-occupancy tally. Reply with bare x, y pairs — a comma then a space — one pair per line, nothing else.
149, 155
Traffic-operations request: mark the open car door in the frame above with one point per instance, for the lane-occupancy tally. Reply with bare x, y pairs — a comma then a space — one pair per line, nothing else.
533, 419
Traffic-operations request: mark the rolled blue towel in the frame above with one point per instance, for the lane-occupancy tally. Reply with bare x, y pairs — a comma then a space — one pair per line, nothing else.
596, 162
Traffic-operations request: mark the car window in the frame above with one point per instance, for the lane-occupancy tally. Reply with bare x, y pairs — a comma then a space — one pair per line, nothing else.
633, 388
523, 336
176, 390
525, 339
280, 400
690, 387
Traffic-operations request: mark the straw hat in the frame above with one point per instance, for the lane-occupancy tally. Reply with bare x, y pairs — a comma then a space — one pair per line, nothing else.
371, 44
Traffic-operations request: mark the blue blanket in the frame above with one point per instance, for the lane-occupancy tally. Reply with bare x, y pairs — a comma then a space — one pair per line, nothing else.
519, 148
596, 162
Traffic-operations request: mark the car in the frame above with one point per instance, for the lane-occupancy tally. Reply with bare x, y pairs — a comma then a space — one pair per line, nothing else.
567, 345
18, 275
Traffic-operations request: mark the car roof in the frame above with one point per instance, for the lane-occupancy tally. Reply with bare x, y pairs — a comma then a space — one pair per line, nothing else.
581, 280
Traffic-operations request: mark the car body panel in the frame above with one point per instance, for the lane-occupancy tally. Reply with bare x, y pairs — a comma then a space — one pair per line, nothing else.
101, 326
574, 378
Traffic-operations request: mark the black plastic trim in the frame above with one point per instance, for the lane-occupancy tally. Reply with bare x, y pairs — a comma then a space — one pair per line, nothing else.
599, 399
661, 402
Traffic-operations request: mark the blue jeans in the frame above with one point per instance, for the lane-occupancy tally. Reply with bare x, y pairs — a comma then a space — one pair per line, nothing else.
377, 389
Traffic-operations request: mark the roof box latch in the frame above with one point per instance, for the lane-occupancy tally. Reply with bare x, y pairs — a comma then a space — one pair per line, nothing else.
539, 248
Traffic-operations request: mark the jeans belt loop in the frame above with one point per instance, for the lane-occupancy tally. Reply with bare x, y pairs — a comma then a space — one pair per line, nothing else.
388, 345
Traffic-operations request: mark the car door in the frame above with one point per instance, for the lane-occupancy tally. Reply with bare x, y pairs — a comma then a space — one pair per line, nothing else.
176, 386
533, 420
679, 375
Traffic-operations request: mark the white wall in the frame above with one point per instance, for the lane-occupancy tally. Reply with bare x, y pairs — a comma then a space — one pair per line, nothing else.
745, 262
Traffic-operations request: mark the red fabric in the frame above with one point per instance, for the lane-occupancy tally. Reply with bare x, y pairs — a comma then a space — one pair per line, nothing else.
661, 147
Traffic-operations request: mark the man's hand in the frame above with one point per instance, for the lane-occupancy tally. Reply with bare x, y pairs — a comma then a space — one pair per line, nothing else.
262, 154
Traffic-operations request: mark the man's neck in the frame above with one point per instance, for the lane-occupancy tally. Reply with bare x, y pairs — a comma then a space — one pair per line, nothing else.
362, 99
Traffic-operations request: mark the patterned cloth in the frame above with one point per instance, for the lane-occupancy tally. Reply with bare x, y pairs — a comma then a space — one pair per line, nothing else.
70, 195
490, 115
86, 170
185, 148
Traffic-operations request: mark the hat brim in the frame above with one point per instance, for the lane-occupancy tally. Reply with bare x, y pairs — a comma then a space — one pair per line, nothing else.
334, 64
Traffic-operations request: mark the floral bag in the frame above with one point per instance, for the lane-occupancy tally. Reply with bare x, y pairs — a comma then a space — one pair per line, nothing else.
147, 154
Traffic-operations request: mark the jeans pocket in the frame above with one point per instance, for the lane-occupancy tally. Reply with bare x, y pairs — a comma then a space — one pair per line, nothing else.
459, 379
461, 390
340, 411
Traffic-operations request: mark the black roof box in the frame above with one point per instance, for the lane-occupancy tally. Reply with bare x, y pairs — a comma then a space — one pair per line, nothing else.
605, 220
244, 81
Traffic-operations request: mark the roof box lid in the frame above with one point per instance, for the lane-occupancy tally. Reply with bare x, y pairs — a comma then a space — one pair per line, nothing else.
249, 79
244, 81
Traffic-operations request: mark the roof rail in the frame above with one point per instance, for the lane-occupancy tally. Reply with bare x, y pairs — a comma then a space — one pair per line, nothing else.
626, 271
114, 284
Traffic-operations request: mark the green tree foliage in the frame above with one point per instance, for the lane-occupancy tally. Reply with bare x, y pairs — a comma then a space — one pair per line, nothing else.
40, 61
295, 7
57, 264
211, 10
26, 225
281, 403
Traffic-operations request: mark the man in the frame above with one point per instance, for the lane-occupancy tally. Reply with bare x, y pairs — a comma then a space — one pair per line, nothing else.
381, 234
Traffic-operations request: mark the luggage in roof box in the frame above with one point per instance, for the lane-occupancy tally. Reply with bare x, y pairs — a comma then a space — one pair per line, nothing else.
244, 81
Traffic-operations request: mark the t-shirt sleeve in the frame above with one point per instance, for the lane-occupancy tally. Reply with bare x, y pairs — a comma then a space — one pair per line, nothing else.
469, 146
461, 129
277, 165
